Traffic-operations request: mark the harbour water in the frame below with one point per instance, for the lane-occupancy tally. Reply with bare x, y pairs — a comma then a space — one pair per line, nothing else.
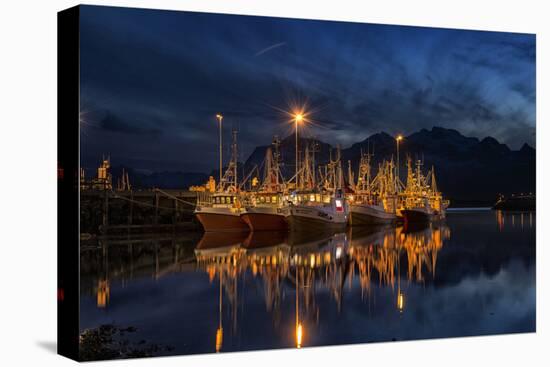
473, 274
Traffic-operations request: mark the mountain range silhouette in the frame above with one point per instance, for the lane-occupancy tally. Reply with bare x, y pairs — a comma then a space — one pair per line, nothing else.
469, 171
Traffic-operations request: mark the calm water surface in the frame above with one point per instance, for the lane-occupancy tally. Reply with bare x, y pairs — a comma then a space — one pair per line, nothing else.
474, 274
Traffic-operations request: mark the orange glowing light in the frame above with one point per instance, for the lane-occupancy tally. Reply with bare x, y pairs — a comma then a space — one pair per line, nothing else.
103, 292
299, 335
399, 138
400, 302
219, 339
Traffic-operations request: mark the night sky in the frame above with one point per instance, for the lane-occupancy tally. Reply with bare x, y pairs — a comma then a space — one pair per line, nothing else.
153, 81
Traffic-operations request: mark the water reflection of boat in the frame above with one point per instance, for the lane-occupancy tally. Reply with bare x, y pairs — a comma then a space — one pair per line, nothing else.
370, 235
311, 239
281, 262
265, 239
220, 242
380, 253
416, 226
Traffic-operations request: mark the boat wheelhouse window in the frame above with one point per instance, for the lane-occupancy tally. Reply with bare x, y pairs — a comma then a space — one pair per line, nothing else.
262, 199
274, 199
216, 200
268, 199
339, 206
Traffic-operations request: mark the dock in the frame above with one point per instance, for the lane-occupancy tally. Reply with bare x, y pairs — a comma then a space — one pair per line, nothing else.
137, 211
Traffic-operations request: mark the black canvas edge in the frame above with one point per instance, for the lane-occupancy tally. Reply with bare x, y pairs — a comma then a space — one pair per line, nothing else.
68, 168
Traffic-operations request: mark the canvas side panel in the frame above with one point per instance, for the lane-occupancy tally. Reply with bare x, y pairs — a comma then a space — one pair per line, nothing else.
68, 182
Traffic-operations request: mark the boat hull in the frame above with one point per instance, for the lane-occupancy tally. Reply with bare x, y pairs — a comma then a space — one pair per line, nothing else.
264, 221
418, 216
366, 214
313, 219
221, 222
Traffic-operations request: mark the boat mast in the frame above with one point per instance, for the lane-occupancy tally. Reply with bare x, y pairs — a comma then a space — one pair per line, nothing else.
276, 161
434, 183
351, 179
234, 158
339, 177
268, 170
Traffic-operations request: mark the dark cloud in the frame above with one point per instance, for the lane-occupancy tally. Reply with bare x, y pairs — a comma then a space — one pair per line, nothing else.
164, 75
114, 123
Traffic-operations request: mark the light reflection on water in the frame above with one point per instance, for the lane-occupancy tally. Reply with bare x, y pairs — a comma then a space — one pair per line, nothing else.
473, 274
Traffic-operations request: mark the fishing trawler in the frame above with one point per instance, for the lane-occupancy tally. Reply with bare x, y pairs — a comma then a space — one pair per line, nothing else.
422, 201
221, 211
317, 208
264, 210
373, 202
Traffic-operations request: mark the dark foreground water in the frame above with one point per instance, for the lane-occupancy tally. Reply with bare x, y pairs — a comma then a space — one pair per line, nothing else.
474, 274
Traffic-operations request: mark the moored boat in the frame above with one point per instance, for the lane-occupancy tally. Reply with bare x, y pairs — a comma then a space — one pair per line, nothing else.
423, 202
327, 213
222, 214
419, 215
221, 211
365, 214
263, 212
373, 202
264, 218
321, 207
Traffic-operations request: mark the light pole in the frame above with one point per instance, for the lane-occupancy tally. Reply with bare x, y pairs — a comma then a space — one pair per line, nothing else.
220, 118
298, 117
397, 140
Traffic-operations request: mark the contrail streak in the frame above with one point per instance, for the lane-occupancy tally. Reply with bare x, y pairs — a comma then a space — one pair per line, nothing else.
270, 48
